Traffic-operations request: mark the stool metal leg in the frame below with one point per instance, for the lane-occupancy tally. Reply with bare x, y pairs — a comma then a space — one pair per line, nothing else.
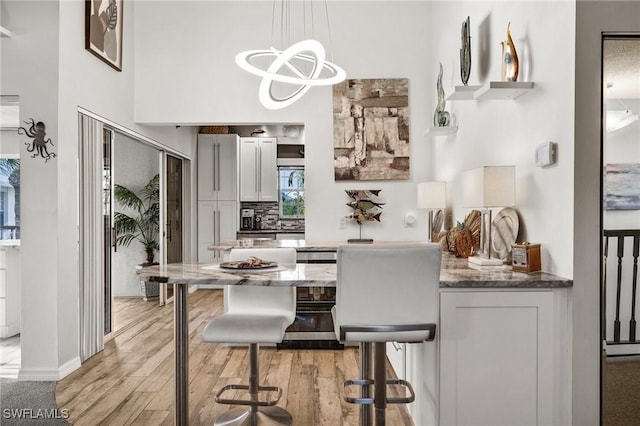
380, 382
366, 418
254, 415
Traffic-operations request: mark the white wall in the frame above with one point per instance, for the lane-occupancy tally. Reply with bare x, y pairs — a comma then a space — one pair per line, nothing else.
30, 70
202, 84
383, 39
45, 63
592, 18
134, 165
506, 132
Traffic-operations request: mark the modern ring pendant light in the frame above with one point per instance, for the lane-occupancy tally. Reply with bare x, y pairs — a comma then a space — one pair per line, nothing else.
291, 66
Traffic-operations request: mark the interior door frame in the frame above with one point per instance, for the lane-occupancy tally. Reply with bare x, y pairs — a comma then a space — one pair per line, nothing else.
165, 296
186, 185
605, 35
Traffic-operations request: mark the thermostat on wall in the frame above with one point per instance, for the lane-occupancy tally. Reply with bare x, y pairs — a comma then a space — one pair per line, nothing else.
546, 154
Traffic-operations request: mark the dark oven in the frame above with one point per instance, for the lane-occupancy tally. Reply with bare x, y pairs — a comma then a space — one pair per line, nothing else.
313, 326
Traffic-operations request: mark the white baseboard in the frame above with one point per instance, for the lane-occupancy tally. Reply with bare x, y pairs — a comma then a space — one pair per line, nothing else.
49, 374
623, 349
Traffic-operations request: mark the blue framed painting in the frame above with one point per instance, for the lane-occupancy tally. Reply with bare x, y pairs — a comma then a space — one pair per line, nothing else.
622, 187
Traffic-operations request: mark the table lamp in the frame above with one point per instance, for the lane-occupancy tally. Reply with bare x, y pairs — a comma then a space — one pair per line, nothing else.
432, 196
487, 187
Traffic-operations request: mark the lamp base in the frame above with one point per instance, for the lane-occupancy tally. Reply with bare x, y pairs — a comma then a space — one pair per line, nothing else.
484, 261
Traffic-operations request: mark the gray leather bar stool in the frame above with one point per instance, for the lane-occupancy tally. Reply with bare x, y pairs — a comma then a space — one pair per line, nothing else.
385, 293
254, 315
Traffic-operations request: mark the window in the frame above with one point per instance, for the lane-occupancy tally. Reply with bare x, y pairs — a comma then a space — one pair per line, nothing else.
291, 184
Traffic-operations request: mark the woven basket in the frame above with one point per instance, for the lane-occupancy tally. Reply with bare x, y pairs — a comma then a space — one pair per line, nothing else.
218, 130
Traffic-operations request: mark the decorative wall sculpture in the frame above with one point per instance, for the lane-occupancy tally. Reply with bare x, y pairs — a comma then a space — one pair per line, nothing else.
39, 144
510, 63
364, 209
371, 129
465, 52
441, 118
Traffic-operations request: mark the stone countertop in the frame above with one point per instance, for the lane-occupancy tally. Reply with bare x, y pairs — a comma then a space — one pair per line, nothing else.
298, 275
299, 245
455, 273
271, 231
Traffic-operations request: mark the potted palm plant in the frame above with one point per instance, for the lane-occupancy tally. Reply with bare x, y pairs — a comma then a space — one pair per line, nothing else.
143, 224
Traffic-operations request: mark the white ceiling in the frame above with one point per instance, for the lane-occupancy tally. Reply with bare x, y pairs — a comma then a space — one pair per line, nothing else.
622, 68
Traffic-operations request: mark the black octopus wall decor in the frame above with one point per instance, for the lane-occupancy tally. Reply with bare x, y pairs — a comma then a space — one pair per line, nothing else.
39, 144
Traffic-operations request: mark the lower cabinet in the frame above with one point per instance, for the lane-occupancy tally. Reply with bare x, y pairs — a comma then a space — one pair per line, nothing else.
504, 358
217, 221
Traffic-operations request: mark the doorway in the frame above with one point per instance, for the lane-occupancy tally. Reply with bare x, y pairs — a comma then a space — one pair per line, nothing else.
126, 181
620, 229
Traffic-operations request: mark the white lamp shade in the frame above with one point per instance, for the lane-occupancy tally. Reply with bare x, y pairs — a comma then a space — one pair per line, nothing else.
432, 195
489, 186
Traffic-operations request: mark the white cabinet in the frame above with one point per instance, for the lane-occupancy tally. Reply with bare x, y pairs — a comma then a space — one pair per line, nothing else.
9, 290
504, 358
258, 169
217, 167
216, 222
217, 192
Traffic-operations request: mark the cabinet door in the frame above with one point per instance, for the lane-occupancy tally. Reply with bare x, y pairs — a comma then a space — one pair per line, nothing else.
268, 170
227, 220
249, 169
496, 358
206, 229
206, 167
227, 167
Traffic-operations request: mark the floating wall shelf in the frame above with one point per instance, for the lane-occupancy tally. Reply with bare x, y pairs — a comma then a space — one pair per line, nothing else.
441, 131
493, 90
5, 32
504, 90
463, 93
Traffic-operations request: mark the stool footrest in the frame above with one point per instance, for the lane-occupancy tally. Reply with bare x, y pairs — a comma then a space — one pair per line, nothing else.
255, 403
371, 400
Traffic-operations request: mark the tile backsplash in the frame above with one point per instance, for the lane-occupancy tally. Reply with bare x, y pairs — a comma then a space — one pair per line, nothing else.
269, 213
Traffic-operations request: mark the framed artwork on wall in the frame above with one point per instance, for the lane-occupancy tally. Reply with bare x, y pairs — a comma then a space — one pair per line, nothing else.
622, 187
103, 30
371, 129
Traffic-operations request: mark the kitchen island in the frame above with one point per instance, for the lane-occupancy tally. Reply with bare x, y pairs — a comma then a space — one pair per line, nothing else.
502, 354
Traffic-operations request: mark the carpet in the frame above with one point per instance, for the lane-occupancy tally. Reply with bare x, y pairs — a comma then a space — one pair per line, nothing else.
29, 403
621, 391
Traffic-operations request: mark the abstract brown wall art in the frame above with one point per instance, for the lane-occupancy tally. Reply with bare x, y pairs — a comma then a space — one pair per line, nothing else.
103, 30
371, 129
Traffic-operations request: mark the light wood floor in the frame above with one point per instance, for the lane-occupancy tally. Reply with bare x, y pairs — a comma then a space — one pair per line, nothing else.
131, 381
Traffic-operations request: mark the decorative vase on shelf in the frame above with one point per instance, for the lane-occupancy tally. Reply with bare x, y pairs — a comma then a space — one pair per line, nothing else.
465, 52
510, 63
441, 117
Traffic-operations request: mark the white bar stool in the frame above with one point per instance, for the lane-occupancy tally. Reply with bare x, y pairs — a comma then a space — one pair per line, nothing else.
385, 294
254, 315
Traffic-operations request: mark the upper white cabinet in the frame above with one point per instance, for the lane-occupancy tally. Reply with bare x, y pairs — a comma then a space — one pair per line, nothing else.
217, 167
258, 169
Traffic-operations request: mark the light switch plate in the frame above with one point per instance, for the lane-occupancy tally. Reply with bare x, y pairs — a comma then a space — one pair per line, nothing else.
546, 154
